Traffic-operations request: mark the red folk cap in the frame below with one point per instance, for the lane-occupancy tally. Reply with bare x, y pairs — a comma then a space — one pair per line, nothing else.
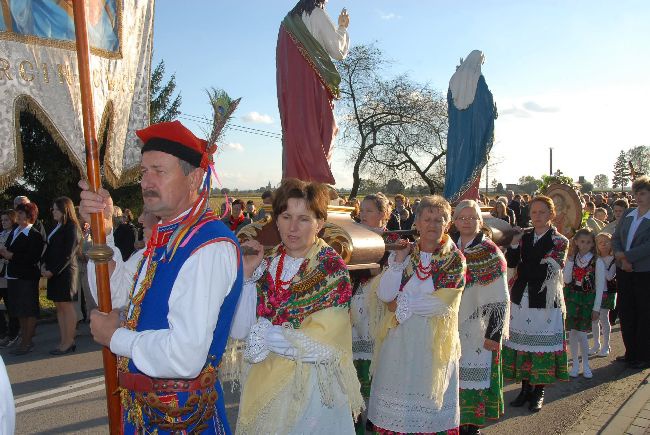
175, 139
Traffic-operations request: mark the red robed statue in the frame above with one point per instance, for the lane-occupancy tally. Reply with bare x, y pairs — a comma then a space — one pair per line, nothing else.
308, 84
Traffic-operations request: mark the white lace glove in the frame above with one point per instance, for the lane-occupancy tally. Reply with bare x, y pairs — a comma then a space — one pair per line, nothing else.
403, 311
256, 349
266, 337
425, 305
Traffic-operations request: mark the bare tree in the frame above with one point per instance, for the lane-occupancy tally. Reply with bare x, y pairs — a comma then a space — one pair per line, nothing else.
413, 148
371, 110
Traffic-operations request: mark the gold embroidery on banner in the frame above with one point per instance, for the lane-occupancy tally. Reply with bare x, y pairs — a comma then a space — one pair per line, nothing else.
10, 35
23, 71
5, 67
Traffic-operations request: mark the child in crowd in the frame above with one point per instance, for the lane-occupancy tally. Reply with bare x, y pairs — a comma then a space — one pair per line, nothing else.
582, 299
605, 284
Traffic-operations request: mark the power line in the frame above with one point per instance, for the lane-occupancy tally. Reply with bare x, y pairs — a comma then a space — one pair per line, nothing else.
236, 127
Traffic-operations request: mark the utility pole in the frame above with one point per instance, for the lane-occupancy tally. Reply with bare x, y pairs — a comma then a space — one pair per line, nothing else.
487, 177
550, 170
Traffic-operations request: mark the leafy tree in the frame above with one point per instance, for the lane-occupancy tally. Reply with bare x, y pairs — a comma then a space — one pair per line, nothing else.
529, 184
586, 187
601, 182
639, 157
369, 186
500, 189
163, 105
394, 186
621, 175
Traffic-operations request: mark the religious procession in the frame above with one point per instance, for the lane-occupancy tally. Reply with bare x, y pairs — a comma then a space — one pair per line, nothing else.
153, 299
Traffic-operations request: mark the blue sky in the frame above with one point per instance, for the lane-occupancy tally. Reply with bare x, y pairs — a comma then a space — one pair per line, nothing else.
569, 74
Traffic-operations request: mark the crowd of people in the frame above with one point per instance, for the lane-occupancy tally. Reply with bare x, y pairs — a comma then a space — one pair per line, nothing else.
33, 256
423, 344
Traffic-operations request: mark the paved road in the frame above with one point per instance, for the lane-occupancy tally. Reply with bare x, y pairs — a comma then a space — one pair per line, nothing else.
66, 394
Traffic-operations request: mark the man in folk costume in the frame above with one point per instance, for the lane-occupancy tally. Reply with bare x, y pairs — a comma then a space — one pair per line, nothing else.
308, 83
177, 309
472, 112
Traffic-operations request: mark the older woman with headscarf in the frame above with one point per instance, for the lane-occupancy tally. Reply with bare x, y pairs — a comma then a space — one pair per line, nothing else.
294, 316
415, 382
483, 318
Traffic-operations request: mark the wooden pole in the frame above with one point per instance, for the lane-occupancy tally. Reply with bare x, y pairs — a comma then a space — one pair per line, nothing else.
99, 253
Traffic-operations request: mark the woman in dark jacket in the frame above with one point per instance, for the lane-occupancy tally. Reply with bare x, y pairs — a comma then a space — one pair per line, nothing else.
23, 249
60, 268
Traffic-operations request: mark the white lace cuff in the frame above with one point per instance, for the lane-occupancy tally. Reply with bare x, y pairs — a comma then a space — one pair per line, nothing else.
306, 349
261, 268
256, 349
394, 265
403, 311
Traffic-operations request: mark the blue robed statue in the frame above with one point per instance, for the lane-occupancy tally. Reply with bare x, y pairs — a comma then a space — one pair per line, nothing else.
471, 112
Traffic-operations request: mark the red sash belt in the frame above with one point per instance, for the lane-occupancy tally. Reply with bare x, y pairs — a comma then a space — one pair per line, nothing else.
140, 383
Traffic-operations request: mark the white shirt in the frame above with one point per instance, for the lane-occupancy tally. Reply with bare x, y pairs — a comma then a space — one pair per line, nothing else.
636, 221
335, 41
7, 410
201, 286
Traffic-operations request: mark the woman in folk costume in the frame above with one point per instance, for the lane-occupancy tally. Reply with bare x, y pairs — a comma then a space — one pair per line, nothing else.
365, 309
482, 321
294, 314
415, 365
535, 352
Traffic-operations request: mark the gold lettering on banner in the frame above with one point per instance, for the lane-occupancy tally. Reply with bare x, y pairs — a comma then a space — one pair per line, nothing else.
4, 68
23, 72
64, 72
46, 72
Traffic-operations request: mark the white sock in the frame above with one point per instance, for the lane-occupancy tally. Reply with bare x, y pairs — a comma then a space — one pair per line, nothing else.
574, 346
595, 331
584, 349
607, 327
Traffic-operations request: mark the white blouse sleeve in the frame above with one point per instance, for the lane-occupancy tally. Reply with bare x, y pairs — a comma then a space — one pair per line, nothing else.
391, 279
601, 283
246, 312
180, 351
335, 41
568, 271
121, 279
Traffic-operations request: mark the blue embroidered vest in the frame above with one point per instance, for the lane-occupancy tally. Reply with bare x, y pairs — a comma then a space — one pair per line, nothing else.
153, 311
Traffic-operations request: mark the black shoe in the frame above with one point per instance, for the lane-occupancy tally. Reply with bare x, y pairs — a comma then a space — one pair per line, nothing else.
72, 348
523, 397
536, 399
622, 359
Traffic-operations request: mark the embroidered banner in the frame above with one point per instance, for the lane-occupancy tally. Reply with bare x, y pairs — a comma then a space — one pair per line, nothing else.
39, 73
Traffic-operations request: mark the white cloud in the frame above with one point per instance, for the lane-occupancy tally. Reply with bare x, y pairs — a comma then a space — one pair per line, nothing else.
387, 16
536, 107
235, 146
257, 118
515, 111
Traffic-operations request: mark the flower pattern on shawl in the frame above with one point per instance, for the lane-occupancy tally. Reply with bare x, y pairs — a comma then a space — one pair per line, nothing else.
449, 270
484, 265
312, 289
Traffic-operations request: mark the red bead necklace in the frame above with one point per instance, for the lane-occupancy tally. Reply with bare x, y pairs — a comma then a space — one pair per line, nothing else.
423, 273
279, 284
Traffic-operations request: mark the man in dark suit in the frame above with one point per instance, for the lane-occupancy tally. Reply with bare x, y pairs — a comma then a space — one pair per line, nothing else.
631, 244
